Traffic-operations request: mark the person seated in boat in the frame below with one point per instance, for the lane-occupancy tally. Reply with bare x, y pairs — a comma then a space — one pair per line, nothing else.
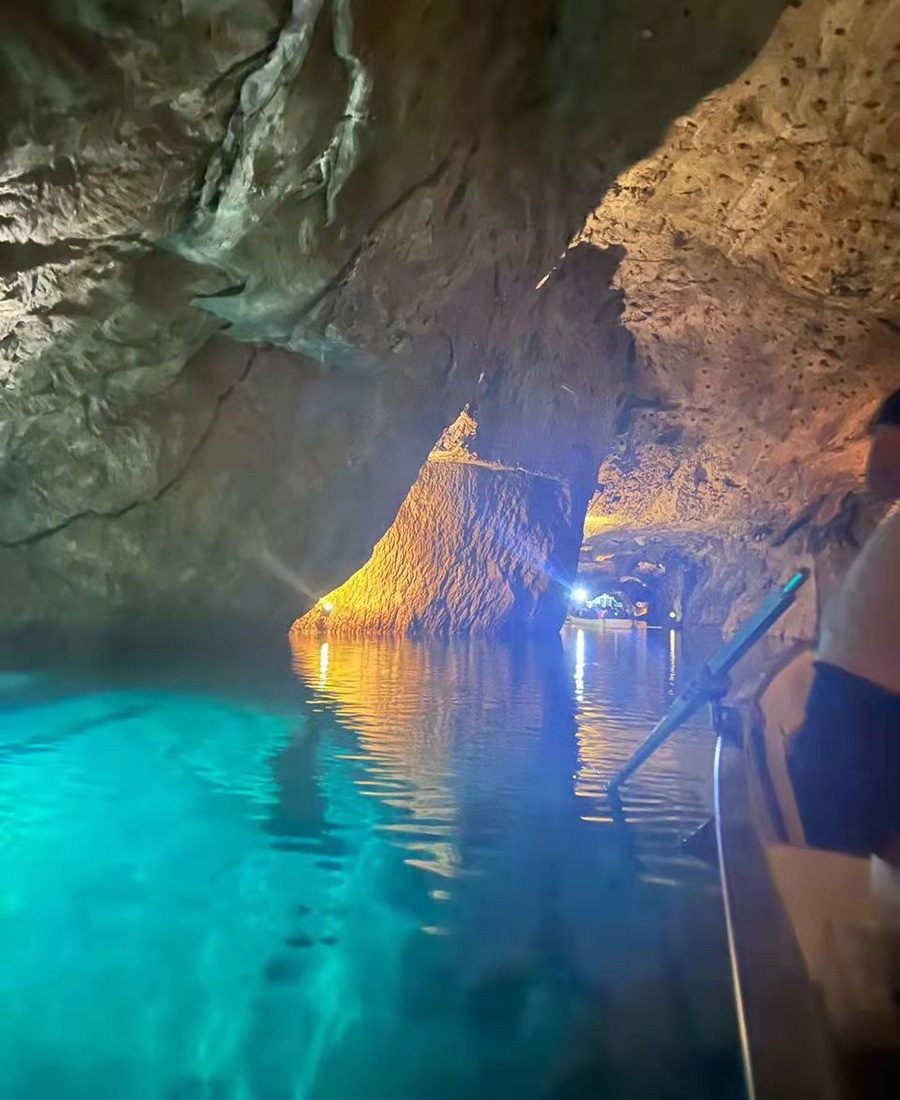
845, 760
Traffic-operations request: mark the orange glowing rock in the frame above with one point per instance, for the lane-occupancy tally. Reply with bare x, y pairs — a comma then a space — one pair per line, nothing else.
476, 548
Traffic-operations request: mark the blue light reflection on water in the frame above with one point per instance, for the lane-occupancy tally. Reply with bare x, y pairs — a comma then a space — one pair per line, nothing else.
396, 876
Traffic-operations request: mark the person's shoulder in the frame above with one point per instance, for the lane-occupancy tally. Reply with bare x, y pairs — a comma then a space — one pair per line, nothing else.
891, 521
887, 533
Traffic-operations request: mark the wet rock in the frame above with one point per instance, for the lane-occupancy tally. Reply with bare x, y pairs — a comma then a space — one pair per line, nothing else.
375, 190
761, 258
487, 539
475, 548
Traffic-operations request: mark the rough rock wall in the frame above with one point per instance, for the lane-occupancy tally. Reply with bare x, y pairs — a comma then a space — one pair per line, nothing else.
292, 472
761, 276
108, 111
487, 540
474, 549
374, 187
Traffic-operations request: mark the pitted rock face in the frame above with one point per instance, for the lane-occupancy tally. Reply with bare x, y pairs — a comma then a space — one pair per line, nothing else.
760, 273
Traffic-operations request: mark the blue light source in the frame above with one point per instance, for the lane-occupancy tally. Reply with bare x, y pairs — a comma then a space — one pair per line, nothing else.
579, 594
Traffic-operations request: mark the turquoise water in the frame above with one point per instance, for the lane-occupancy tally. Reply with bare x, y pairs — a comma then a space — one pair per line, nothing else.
389, 873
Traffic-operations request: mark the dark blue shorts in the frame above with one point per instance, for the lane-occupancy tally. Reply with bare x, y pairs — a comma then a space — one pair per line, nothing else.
845, 763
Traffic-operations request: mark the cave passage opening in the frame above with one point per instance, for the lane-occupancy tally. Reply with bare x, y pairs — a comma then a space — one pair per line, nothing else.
485, 547
649, 586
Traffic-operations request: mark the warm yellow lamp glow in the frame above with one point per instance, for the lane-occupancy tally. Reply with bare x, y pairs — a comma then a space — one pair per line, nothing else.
579, 666
323, 665
327, 606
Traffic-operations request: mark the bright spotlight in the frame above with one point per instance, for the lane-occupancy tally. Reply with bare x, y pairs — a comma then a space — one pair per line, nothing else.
673, 615
327, 606
579, 594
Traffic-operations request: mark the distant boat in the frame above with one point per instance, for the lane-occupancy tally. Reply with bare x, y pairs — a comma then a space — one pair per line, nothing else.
607, 624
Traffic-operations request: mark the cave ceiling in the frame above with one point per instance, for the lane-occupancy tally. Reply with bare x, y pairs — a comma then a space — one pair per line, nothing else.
255, 256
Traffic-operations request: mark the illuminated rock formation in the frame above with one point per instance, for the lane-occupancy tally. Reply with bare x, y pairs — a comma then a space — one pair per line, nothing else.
760, 264
375, 188
760, 273
366, 205
476, 548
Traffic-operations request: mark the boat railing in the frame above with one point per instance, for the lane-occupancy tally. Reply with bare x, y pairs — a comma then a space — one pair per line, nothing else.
786, 1046
711, 685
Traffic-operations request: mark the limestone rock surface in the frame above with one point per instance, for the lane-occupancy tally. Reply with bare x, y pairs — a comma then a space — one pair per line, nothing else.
475, 549
761, 282
368, 194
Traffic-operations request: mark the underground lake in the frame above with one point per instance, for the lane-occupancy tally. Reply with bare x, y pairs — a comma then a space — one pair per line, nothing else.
387, 870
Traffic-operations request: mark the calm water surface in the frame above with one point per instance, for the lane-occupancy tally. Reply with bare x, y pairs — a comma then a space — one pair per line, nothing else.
392, 873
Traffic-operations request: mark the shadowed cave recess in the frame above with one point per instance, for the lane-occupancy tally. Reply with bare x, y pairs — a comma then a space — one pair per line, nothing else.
390, 316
